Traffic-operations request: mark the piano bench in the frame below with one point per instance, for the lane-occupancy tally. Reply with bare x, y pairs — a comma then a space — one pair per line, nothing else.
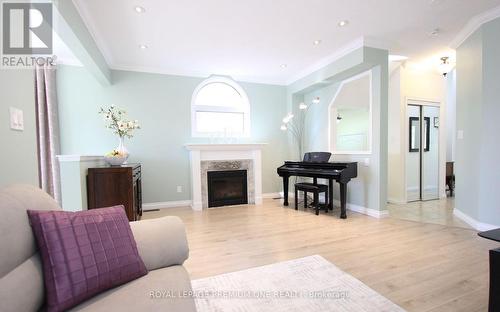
316, 189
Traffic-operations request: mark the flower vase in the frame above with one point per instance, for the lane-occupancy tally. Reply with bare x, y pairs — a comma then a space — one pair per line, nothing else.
121, 146
121, 158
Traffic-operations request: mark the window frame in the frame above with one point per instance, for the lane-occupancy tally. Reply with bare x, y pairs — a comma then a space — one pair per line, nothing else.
220, 109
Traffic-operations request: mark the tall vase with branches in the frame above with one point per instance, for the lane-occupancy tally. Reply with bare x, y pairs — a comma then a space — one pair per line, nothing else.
296, 125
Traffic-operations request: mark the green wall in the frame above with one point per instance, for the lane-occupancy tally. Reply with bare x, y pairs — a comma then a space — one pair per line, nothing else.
478, 108
162, 104
18, 159
369, 189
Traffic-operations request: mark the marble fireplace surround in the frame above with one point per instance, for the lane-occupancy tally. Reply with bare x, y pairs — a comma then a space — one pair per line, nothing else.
225, 165
219, 157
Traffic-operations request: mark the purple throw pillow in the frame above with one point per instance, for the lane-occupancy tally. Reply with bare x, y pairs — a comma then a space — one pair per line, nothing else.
84, 253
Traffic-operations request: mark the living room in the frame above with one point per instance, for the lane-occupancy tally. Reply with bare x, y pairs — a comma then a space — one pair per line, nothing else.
313, 156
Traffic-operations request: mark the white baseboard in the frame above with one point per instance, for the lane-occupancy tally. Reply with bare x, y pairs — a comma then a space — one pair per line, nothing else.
366, 211
169, 204
395, 201
272, 195
479, 226
188, 203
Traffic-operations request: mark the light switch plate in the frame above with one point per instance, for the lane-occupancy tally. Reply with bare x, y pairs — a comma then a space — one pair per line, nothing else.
460, 134
366, 162
16, 119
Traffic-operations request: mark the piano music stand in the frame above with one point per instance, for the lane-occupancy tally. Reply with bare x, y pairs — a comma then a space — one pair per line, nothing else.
317, 157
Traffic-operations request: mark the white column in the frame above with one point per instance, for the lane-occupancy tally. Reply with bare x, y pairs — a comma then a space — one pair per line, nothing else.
257, 162
195, 156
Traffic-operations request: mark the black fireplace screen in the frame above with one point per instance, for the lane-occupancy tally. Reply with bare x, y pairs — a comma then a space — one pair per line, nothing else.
228, 187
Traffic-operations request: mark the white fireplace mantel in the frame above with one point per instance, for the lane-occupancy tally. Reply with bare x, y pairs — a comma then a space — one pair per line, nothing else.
223, 152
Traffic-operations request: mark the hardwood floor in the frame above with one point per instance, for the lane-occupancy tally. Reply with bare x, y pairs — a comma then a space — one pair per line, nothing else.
432, 211
421, 267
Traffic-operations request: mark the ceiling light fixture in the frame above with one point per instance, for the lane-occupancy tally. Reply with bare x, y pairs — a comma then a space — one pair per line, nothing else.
316, 42
139, 9
315, 100
283, 66
143, 47
435, 32
302, 106
343, 23
445, 67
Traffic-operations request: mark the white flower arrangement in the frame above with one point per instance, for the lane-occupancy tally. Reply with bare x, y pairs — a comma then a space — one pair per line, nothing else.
115, 119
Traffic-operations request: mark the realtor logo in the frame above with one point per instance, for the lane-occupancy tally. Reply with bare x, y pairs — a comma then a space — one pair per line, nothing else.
27, 28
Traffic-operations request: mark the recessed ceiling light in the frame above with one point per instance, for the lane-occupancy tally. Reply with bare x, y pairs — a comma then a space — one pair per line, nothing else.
435, 32
343, 23
139, 9
316, 42
283, 65
143, 47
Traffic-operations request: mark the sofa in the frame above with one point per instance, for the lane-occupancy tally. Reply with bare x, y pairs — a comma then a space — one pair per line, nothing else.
161, 242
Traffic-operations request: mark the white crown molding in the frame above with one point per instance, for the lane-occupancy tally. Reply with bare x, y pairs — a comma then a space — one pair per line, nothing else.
195, 74
474, 24
339, 53
475, 224
99, 41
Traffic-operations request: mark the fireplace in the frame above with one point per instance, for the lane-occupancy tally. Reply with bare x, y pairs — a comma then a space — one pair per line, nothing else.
227, 187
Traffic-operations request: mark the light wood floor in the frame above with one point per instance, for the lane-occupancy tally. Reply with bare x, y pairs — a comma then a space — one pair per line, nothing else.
421, 267
432, 211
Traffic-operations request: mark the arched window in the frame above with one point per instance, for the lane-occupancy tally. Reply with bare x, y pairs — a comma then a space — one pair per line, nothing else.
220, 107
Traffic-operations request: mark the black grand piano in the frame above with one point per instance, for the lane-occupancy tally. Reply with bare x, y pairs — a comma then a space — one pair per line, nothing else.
342, 172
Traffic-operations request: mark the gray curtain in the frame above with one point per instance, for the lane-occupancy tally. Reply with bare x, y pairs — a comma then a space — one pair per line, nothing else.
47, 130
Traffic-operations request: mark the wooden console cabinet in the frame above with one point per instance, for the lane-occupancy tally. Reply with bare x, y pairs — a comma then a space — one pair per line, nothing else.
117, 185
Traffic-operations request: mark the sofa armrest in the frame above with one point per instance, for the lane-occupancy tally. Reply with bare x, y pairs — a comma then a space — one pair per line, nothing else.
161, 242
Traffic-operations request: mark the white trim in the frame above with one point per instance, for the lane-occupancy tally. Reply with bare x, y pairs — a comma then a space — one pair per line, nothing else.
332, 125
272, 195
72, 158
224, 147
245, 110
364, 210
169, 204
194, 74
343, 51
479, 226
338, 54
98, 40
473, 24
396, 201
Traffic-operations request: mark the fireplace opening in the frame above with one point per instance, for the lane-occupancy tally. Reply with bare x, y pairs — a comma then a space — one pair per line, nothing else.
228, 187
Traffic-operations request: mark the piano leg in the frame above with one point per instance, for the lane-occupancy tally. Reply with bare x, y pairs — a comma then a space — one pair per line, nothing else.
330, 193
343, 199
285, 191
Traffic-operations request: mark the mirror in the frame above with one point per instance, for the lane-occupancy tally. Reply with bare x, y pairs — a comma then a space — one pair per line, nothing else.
351, 116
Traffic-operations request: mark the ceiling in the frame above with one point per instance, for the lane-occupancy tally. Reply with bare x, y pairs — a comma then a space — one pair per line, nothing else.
252, 40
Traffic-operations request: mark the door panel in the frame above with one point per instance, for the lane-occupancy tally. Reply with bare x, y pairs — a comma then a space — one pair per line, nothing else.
413, 154
430, 155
